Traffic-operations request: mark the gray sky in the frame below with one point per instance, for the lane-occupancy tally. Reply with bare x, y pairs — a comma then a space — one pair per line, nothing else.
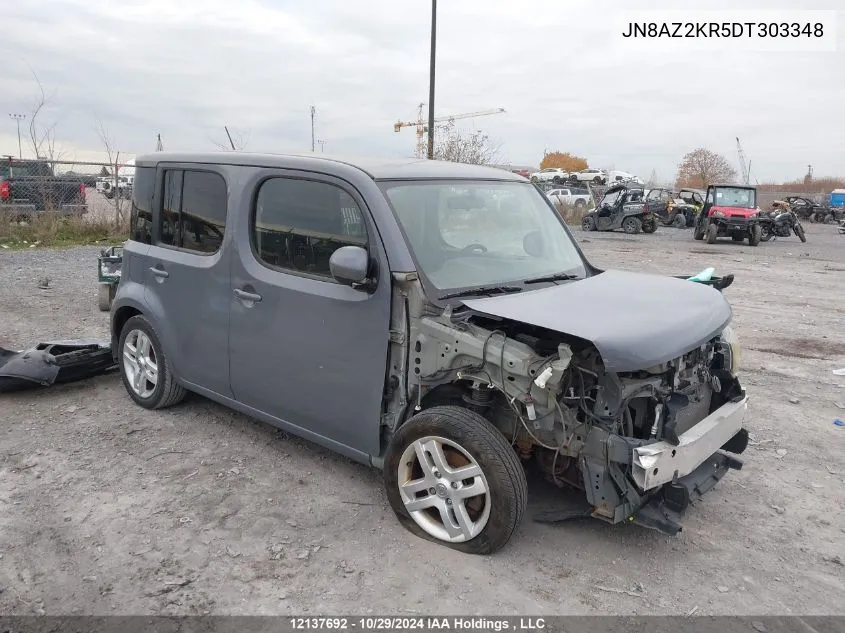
185, 68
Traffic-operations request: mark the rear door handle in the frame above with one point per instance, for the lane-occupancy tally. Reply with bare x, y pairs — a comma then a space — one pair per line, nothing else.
159, 272
247, 296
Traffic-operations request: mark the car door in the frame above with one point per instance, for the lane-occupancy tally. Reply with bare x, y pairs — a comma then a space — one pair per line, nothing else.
306, 350
187, 273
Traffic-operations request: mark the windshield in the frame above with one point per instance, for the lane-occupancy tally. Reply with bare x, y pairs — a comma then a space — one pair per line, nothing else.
735, 197
467, 234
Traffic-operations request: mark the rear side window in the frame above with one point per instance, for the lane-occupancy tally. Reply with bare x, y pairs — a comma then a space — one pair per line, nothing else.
141, 221
193, 210
298, 224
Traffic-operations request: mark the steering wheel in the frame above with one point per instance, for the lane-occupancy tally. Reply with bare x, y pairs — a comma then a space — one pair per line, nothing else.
475, 247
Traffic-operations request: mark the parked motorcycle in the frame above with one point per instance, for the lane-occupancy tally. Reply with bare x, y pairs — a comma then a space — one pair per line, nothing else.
780, 223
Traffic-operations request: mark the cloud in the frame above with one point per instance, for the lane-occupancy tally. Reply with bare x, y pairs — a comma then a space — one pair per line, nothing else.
185, 69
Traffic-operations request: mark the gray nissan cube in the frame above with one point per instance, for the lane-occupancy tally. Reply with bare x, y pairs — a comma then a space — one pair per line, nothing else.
437, 321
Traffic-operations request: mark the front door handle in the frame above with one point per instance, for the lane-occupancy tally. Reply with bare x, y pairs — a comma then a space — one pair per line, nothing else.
159, 272
247, 296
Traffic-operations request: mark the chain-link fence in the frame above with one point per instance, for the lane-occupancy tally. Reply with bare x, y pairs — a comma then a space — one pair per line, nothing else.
93, 191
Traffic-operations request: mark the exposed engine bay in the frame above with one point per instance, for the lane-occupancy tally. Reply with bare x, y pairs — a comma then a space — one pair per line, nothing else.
607, 433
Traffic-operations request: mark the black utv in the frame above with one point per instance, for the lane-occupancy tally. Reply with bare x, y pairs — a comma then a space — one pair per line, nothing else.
622, 207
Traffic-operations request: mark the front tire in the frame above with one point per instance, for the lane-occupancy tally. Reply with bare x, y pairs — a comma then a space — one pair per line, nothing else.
712, 233
799, 231
680, 221
452, 478
754, 235
698, 232
144, 367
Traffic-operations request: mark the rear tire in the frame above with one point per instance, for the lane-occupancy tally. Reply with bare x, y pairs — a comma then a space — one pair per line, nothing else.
105, 294
632, 225
712, 233
165, 391
698, 231
649, 226
754, 235
799, 231
556, 180
680, 221
448, 438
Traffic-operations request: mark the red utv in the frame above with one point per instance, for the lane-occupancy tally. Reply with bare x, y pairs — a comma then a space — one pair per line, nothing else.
729, 211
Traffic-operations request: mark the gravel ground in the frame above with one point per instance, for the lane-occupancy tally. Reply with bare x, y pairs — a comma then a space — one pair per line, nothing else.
106, 508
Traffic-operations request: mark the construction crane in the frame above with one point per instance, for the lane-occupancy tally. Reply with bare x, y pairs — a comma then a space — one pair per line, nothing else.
743, 165
422, 125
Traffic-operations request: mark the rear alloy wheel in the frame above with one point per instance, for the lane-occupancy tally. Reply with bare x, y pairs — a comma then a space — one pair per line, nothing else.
144, 367
451, 477
588, 223
632, 225
680, 221
799, 231
754, 235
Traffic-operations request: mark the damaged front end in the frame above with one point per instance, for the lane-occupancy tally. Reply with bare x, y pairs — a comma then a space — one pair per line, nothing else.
643, 444
53, 362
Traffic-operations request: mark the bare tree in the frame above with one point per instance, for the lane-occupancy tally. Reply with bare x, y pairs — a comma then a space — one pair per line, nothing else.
235, 142
42, 136
475, 148
119, 194
701, 167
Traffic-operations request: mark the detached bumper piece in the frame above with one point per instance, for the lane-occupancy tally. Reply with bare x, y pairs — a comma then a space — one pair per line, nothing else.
54, 362
664, 511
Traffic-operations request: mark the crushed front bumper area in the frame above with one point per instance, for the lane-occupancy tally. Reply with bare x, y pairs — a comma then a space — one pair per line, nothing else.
656, 464
664, 511
650, 483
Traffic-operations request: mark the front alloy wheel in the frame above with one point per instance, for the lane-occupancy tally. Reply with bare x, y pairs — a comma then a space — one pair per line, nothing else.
444, 489
451, 477
145, 369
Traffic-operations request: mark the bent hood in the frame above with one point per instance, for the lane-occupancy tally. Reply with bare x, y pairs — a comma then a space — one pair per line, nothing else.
635, 320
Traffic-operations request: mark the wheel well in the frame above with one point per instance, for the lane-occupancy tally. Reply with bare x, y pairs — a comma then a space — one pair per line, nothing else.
121, 317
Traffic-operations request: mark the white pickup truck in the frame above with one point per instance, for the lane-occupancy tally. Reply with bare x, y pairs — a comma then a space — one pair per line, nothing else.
575, 197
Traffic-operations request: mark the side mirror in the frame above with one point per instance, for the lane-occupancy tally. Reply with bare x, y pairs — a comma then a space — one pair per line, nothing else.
349, 265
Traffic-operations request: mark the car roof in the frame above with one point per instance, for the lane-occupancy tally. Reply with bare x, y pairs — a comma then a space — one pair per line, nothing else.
388, 168
735, 186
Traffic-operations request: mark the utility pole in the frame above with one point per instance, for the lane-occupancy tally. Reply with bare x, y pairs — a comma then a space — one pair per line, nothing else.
159, 146
17, 118
431, 80
313, 112
322, 146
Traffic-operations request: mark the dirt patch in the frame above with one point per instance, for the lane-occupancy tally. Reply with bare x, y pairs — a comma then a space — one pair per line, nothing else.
814, 349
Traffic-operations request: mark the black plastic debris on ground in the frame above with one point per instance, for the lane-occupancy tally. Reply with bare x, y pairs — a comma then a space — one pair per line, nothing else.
54, 362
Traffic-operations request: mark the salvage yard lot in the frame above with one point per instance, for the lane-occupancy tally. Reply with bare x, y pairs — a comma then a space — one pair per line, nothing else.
106, 508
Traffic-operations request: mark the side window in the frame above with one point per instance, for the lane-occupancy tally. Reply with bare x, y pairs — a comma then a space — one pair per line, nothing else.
193, 210
203, 215
141, 222
298, 224
170, 206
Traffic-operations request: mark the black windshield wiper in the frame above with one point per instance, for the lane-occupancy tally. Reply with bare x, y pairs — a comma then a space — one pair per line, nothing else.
554, 277
481, 290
